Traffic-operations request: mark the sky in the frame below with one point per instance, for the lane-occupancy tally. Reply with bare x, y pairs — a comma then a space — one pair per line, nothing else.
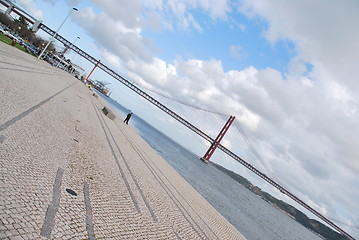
287, 69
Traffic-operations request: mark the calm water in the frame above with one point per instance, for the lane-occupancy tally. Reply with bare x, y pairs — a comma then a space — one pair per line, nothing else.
253, 217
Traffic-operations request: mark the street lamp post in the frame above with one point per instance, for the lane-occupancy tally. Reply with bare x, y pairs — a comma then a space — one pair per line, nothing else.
75, 40
66, 48
74, 44
53, 36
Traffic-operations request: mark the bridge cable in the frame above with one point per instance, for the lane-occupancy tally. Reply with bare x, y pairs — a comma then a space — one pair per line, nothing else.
181, 102
254, 150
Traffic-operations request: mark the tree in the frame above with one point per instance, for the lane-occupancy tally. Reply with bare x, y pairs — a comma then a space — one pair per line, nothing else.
22, 22
21, 27
6, 20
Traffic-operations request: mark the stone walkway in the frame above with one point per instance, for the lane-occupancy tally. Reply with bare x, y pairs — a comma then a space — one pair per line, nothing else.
69, 172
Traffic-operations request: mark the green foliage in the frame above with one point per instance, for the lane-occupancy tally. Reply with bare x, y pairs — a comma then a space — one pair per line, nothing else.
300, 217
21, 28
5, 39
20, 47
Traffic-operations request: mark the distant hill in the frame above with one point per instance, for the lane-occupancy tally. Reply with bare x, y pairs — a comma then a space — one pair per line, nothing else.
300, 217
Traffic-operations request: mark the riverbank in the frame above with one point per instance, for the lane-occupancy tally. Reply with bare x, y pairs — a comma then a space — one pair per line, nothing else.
69, 171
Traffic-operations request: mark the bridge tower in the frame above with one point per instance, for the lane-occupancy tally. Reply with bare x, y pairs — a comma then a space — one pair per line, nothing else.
35, 27
93, 70
218, 139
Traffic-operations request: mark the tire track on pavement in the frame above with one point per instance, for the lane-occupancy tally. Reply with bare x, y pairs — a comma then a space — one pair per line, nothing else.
53, 207
30, 110
148, 206
123, 176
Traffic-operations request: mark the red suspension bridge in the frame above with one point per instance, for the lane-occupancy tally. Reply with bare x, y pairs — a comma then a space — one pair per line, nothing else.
214, 143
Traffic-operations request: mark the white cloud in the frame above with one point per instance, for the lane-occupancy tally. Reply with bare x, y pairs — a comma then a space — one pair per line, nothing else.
73, 3
121, 40
110, 58
51, 1
243, 27
126, 12
179, 13
30, 5
236, 51
153, 4
217, 9
88, 13
154, 21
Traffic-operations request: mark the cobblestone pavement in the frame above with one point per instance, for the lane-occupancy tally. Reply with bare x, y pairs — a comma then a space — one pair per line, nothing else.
69, 172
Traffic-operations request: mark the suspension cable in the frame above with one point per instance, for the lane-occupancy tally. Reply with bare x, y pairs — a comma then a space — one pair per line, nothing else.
182, 102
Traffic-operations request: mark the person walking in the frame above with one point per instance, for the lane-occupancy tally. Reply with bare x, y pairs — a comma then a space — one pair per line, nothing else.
129, 115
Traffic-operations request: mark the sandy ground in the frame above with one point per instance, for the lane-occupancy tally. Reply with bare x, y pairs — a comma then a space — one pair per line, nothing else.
67, 171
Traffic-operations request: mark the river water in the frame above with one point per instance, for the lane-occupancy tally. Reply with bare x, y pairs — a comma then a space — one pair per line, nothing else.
252, 216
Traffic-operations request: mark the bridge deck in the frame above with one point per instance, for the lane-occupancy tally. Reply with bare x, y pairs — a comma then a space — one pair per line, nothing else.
68, 171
